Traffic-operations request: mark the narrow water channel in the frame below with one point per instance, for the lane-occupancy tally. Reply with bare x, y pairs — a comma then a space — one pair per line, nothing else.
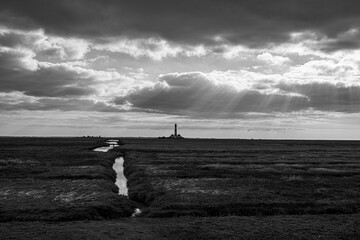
118, 167
121, 180
112, 144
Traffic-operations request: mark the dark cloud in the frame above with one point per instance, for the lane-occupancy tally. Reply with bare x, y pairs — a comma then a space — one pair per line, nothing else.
20, 71
46, 104
250, 22
340, 45
327, 96
56, 81
194, 94
13, 39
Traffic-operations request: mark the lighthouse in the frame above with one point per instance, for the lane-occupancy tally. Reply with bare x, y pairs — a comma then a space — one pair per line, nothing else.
175, 134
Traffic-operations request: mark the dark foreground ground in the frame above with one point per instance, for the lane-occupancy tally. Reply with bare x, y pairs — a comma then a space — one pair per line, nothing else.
334, 227
58, 188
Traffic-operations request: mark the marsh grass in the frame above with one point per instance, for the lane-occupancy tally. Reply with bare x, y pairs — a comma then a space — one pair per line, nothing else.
62, 178
58, 179
294, 178
251, 189
296, 227
239, 177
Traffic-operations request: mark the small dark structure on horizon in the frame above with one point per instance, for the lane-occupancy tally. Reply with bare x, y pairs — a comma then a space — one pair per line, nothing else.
175, 134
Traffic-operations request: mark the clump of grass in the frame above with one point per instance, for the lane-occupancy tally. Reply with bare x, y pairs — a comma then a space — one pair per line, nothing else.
17, 162
330, 170
292, 178
139, 189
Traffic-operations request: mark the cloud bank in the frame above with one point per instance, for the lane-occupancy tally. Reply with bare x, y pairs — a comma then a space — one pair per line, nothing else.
252, 23
226, 94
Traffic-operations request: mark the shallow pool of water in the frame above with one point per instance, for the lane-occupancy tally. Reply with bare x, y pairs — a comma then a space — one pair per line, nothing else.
103, 149
112, 144
120, 177
136, 213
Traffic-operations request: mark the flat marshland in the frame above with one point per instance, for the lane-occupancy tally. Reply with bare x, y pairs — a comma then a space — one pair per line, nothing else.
56, 179
243, 177
187, 189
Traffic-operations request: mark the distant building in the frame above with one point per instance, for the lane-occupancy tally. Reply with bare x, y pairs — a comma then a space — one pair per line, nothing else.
175, 135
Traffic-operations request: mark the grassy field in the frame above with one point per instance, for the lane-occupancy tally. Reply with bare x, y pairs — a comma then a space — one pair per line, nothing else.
188, 189
242, 177
296, 227
58, 179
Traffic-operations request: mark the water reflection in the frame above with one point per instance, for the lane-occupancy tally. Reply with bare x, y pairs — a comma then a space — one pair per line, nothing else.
112, 144
120, 177
103, 149
118, 167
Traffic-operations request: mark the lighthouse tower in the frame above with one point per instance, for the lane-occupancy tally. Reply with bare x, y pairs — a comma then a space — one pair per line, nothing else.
175, 134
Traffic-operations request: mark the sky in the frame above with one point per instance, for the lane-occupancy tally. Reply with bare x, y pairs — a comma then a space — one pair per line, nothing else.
281, 69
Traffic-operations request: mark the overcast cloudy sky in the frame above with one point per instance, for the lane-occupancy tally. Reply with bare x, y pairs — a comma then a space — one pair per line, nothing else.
232, 68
